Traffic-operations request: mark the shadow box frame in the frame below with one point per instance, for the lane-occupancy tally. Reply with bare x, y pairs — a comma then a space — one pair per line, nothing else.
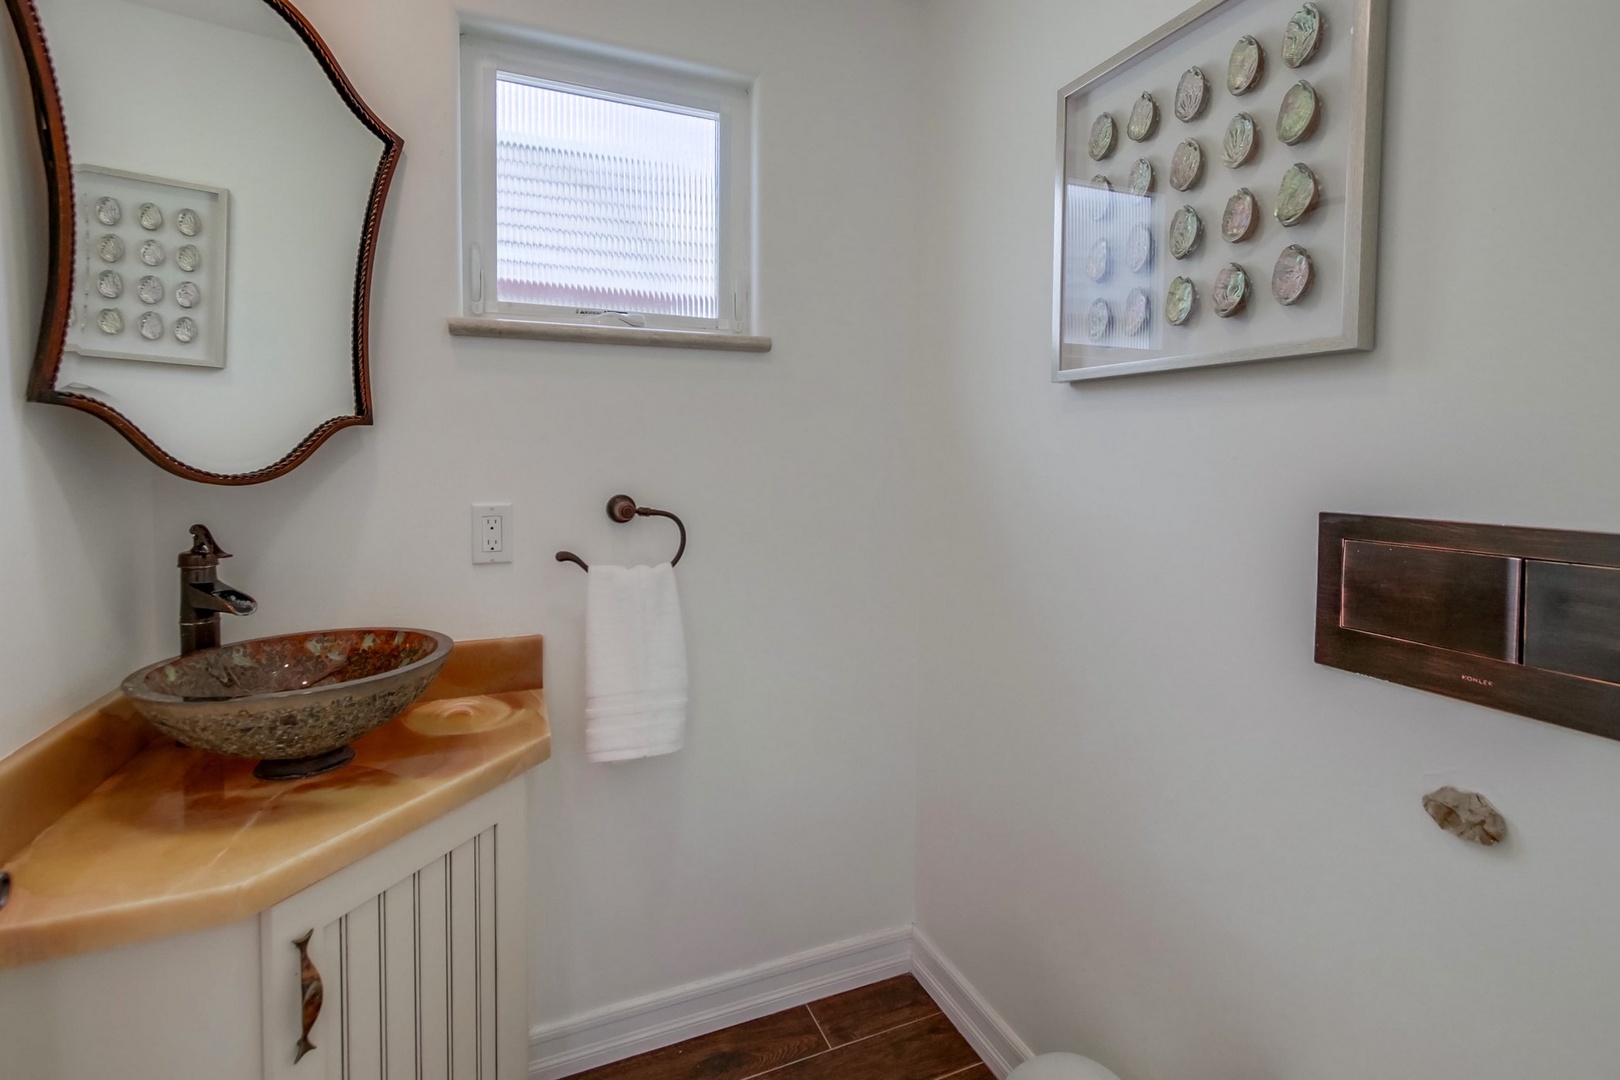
1366, 34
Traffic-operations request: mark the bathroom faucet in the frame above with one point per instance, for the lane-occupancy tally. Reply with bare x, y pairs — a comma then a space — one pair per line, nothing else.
203, 597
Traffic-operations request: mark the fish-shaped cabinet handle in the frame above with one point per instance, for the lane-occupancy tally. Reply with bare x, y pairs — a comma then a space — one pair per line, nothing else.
314, 995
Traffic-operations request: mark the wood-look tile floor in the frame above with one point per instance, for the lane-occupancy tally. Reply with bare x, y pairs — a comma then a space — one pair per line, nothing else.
890, 1030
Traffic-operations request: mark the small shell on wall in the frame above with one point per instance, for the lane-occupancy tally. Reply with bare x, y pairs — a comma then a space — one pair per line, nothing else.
1099, 319
1297, 195
1141, 178
1248, 63
1241, 216
1466, 814
1299, 114
1139, 249
1186, 165
1303, 37
1101, 143
1098, 261
1231, 292
1186, 229
1291, 278
1099, 207
1238, 146
1144, 119
1138, 310
1178, 306
1192, 94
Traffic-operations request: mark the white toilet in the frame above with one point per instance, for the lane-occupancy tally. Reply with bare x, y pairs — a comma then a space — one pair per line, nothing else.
1060, 1067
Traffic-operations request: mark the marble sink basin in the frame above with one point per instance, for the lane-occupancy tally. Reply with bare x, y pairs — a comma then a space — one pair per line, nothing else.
295, 702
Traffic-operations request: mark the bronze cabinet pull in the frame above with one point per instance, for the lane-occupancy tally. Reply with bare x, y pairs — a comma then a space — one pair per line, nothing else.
314, 994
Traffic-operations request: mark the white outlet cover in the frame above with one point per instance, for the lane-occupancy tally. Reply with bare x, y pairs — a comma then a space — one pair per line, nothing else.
482, 553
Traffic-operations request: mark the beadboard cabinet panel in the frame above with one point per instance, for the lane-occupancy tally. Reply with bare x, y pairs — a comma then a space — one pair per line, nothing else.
407, 954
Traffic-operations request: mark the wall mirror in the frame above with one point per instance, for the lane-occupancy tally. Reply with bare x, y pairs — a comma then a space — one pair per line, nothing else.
216, 186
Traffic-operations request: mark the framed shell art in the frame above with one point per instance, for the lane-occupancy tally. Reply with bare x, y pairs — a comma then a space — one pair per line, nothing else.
1217, 191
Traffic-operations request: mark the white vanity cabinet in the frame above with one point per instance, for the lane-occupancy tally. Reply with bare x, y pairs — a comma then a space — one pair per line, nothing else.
420, 956
421, 953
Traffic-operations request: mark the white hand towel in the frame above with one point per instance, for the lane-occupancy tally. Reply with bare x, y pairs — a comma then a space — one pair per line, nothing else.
635, 663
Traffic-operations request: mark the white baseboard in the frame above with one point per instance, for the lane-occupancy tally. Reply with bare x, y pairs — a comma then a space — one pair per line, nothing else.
583, 1042
994, 1039
565, 1047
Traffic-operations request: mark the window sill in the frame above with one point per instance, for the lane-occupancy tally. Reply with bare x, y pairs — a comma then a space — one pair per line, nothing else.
530, 330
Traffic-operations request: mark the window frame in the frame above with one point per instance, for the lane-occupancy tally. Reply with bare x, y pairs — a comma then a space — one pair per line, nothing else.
611, 75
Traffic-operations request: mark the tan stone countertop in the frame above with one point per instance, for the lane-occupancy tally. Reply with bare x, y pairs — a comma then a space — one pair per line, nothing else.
115, 835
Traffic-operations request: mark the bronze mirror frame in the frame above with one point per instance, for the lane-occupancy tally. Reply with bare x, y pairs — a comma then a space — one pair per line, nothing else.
53, 141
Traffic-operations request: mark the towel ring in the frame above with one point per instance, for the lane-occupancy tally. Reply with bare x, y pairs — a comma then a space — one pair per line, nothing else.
621, 508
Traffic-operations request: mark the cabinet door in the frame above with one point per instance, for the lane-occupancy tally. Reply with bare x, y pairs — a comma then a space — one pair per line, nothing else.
421, 970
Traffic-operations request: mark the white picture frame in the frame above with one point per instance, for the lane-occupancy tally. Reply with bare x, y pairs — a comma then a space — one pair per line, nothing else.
1337, 314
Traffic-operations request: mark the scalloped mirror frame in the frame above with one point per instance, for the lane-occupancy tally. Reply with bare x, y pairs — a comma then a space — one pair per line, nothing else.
53, 141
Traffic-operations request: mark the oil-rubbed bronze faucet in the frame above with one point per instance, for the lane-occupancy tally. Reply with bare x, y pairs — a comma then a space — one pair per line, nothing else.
203, 597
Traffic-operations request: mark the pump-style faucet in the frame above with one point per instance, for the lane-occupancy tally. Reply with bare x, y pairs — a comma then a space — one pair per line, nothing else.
203, 597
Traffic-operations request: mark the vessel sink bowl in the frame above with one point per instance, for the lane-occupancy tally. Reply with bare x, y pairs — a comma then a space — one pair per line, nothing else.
295, 702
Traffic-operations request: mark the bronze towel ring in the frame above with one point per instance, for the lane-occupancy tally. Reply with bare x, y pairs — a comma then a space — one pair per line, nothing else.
621, 508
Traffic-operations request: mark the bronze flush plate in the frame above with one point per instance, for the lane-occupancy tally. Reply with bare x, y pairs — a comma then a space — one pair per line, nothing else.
1523, 620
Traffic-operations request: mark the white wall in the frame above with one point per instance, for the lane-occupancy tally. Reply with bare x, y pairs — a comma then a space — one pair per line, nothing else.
1151, 829
1148, 827
787, 822
74, 499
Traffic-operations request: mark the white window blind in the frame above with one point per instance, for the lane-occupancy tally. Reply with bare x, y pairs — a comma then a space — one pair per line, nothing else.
605, 204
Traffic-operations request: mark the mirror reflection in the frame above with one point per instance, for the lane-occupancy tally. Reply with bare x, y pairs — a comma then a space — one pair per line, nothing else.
222, 211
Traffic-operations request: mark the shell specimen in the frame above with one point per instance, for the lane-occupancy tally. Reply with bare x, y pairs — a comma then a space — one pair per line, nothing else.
1097, 261
1144, 119
1247, 65
1139, 249
1179, 303
1303, 37
1192, 94
1104, 132
1241, 216
110, 248
1099, 319
1299, 114
1186, 165
1136, 312
1231, 291
1466, 814
1293, 274
1141, 177
1238, 146
1186, 229
150, 217
1297, 195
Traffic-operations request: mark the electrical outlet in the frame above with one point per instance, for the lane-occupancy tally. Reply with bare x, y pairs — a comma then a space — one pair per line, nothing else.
492, 533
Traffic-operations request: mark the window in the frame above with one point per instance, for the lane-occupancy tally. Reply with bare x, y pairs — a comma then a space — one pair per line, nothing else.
603, 190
